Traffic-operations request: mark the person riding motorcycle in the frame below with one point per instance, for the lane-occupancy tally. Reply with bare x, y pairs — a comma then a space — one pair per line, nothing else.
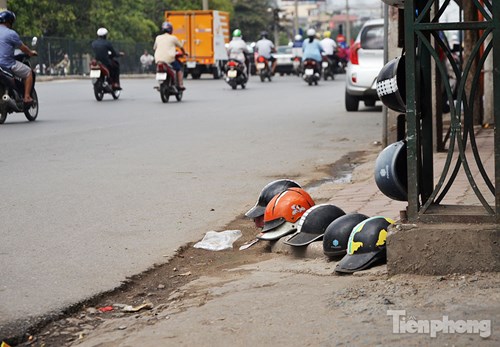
297, 46
312, 49
329, 47
106, 54
265, 47
237, 49
9, 41
165, 48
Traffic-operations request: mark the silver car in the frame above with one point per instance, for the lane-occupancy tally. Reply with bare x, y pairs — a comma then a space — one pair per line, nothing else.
366, 61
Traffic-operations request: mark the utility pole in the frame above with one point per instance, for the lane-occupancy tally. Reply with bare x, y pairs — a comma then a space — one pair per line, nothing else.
296, 19
347, 23
205, 4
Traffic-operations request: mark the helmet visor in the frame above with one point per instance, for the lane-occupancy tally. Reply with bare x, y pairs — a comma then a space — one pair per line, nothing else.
273, 224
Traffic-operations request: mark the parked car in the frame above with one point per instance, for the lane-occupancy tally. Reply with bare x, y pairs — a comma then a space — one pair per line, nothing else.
284, 57
366, 61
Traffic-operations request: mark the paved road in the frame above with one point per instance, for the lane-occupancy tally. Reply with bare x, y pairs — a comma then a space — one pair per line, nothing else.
93, 192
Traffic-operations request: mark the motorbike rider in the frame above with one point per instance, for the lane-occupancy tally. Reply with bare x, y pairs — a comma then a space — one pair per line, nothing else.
297, 46
265, 47
237, 49
106, 54
329, 47
165, 49
312, 49
9, 41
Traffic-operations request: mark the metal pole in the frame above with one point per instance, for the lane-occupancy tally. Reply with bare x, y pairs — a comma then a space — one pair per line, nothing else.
205, 4
347, 23
386, 59
276, 24
296, 19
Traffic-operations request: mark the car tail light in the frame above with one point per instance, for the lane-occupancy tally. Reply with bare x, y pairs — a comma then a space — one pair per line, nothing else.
354, 78
354, 54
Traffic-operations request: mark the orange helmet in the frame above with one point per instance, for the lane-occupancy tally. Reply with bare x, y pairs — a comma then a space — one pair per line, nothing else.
287, 206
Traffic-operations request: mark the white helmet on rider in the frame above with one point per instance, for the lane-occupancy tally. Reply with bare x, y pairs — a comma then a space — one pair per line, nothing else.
102, 32
298, 37
311, 32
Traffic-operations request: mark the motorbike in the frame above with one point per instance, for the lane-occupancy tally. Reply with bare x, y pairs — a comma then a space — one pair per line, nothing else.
167, 81
342, 59
263, 68
311, 72
235, 74
297, 65
12, 91
102, 82
328, 67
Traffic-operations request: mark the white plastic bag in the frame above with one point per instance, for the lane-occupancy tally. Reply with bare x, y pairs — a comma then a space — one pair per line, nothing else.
219, 241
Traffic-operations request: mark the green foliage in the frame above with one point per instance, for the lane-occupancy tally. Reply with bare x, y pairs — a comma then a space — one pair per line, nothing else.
252, 17
126, 20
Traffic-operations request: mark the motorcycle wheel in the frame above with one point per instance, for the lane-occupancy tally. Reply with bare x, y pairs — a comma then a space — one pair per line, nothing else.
164, 93
178, 96
116, 94
98, 91
234, 86
32, 112
3, 115
262, 76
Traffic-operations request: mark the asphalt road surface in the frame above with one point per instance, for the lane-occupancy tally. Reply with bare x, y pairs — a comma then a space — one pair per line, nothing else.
94, 192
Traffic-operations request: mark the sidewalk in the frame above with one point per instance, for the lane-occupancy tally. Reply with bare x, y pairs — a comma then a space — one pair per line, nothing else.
296, 299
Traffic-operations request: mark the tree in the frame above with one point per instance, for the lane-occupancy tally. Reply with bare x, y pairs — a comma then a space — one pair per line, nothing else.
252, 17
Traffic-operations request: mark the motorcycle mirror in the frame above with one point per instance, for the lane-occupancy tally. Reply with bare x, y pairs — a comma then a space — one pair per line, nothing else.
34, 41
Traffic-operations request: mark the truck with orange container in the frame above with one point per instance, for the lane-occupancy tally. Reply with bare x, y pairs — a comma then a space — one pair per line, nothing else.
204, 34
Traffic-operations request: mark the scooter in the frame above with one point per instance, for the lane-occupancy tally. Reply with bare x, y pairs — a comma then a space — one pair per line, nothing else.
311, 72
12, 91
235, 74
167, 81
327, 68
297, 65
102, 82
263, 68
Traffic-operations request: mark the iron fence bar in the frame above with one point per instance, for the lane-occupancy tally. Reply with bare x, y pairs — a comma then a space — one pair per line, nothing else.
481, 9
454, 127
411, 112
496, 100
468, 128
477, 156
453, 26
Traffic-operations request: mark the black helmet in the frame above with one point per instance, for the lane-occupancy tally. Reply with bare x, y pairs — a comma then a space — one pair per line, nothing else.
268, 192
167, 27
391, 171
264, 34
366, 245
337, 234
7, 17
313, 223
391, 87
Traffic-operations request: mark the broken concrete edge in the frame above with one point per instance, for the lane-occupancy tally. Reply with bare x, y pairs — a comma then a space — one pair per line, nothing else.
18, 331
443, 249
